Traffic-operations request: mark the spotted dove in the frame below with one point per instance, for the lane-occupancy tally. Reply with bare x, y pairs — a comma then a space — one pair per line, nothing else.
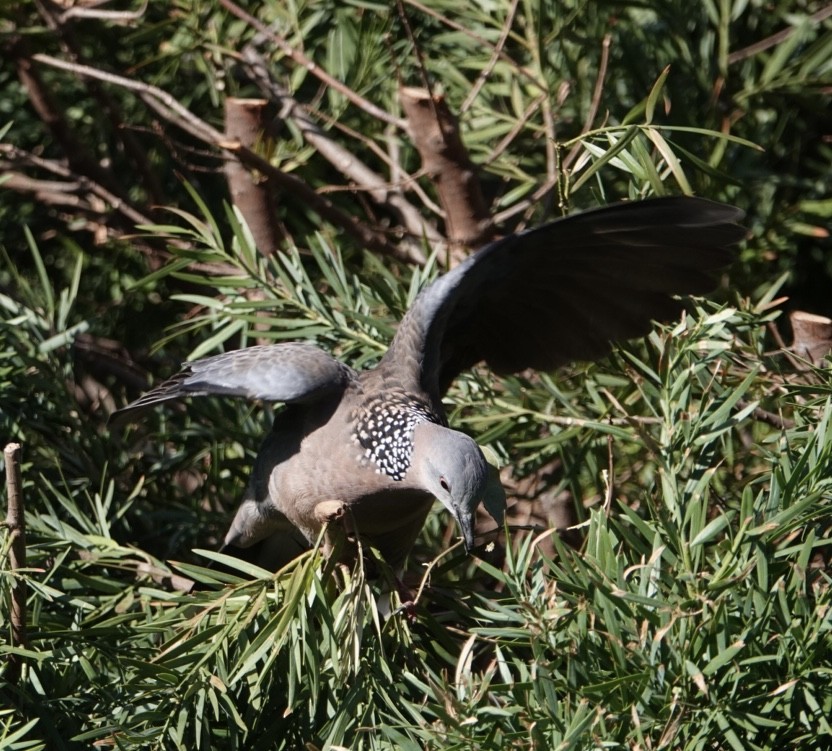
377, 441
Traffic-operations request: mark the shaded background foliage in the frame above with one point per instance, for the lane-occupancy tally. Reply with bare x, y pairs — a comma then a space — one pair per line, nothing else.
695, 613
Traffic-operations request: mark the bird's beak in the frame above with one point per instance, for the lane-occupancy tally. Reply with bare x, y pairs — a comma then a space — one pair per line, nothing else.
466, 526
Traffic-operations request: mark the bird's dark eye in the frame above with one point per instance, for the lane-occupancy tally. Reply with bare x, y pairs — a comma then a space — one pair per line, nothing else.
444, 483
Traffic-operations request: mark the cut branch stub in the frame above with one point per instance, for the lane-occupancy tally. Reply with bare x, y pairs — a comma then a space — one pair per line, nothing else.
435, 134
244, 124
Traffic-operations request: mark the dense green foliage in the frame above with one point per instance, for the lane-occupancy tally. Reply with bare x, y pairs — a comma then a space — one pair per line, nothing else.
696, 612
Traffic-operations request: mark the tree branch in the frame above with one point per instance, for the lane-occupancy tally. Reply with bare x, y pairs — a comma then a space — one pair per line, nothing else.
496, 54
775, 39
131, 145
134, 218
113, 16
435, 133
77, 155
16, 524
365, 179
596, 101
170, 109
552, 180
480, 40
80, 182
244, 122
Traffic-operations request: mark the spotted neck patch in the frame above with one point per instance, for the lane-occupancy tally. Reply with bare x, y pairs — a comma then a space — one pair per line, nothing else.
384, 429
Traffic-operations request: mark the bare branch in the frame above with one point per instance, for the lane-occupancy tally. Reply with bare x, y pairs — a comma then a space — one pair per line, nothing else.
596, 101
54, 192
496, 53
16, 523
198, 126
775, 39
158, 256
84, 183
519, 207
78, 157
482, 41
417, 50
125, 135
521, 123
113, 16
552, 179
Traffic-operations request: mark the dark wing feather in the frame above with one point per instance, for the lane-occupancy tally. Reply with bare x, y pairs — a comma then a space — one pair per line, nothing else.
286, 372
566, 290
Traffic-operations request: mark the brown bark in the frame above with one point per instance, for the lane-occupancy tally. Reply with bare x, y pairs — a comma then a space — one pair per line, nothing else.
252, 195
17, 554
435, 134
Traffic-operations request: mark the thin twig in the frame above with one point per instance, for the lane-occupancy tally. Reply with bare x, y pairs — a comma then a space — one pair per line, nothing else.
113, 16
552, 179
198, 127
578, 422
420, 58
775, 39
503, 216
16, 524
522, 70
430, 566
495, 57
507, 139
595, 103
82, 181
300, 59
135, 218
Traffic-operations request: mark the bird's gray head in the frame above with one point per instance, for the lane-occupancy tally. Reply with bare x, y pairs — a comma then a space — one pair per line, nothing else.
451, 467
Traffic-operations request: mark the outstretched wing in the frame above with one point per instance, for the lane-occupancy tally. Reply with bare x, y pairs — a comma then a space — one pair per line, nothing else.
566, 290
286, 372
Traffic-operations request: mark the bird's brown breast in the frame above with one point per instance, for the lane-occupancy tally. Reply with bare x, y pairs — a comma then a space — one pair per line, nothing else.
323, 456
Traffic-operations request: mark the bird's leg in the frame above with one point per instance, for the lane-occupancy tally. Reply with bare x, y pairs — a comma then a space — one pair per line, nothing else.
340, 539
331, 515
407, 598
334, 516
